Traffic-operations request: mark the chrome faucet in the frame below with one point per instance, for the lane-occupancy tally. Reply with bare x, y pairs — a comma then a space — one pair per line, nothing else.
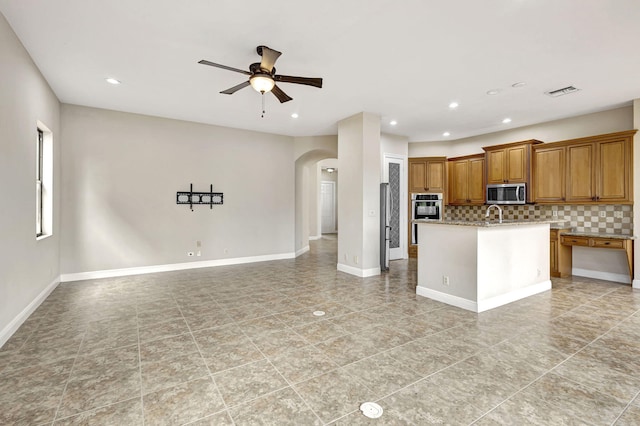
499, 212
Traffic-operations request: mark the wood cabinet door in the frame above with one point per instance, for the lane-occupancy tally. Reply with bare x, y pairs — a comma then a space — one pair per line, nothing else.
475, 183
553, 254
435, 176
549, 174
580, 186
496, 163
417, 176
613, 171
458, 171
516, 164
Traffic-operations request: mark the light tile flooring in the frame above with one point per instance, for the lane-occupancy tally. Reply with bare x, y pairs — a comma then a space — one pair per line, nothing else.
240, 345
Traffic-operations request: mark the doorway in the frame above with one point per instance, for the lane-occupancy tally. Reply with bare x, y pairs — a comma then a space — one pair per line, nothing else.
394, 174
328, 207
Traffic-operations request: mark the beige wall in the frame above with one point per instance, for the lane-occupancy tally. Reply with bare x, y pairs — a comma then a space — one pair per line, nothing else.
28, 268
121, 174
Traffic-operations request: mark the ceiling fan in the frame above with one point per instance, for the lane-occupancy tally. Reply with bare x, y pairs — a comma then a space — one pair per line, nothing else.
263, 77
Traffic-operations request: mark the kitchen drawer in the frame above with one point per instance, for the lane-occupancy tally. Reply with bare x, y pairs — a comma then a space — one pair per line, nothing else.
569, 240
607, 243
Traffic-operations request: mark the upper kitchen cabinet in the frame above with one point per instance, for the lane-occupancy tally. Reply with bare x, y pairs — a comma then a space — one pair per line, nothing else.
509, 163
599, 169
427, 174
466, 180
548, 175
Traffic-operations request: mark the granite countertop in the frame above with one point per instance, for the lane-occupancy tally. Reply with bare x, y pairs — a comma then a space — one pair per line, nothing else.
487, 224
599, 235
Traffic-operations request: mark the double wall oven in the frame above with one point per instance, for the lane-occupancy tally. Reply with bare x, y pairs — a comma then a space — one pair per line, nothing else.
424, 206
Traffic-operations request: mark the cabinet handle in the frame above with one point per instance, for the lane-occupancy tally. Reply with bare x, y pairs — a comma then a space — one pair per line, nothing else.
607, 243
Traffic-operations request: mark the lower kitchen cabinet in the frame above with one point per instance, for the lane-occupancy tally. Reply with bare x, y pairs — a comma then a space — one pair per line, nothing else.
560, 262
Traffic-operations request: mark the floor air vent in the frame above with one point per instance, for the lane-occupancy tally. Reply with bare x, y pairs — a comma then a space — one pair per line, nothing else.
563, 91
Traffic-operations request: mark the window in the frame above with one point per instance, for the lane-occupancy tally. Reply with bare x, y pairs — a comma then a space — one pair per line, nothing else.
39, 167
44, 178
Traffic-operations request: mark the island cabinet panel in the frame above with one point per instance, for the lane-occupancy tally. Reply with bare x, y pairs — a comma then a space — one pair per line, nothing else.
427, 174
598, 169
548, 175
510, 163
466, 180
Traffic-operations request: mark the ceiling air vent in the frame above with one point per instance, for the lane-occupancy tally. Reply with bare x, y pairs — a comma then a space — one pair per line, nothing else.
563, 91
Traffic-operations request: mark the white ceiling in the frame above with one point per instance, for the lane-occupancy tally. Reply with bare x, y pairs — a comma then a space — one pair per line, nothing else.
405, 60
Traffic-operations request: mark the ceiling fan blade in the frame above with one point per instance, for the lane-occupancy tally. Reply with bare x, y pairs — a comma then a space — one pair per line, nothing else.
282, 97
234, 89
315, 82
224, 67
269, 57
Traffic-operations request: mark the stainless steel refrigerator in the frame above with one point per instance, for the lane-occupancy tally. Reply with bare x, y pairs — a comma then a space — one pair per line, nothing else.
385, 214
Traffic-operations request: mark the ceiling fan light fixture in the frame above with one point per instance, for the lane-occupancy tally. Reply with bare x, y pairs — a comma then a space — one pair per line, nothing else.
262, 83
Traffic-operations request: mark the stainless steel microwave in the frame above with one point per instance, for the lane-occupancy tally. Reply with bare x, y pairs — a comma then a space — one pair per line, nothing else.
507, 193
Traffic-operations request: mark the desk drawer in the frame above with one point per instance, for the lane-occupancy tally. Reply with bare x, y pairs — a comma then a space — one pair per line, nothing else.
607, 243
568, 240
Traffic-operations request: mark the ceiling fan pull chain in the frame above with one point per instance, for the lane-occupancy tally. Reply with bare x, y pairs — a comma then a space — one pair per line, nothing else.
262, 116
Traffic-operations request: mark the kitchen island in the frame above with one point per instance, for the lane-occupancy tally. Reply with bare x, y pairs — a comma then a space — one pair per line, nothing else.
482, 265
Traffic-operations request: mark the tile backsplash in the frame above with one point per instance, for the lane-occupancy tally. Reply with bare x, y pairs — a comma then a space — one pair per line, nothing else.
583, 218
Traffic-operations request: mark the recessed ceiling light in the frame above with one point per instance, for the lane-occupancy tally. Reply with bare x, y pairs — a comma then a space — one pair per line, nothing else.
294, 115
446, 134
506, 120
519, 84
493, 92
393, 122
453, 105
112, 80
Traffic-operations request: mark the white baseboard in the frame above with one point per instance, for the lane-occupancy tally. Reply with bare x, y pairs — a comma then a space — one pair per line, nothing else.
315, 237
362, 273
512, 296
449, 299
636, 284
607, 276
303, 250
79, 276
484, 305
15, 323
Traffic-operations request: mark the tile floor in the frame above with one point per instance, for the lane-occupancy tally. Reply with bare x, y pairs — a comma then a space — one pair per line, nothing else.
240, 345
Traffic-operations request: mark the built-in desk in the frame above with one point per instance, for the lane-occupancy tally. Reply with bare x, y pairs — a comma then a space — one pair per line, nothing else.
606, 241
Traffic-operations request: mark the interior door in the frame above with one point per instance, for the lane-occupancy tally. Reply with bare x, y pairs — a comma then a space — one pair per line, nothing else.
394, 173
328, 207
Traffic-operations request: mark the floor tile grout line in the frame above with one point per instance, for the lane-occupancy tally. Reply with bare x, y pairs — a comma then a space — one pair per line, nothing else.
629, 404
193, 338
289, 384
140, 366
55, 417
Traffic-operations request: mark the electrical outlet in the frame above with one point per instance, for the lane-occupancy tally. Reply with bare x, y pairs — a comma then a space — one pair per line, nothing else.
346, 257
554, 213
602, 214
190, 253
445, 280
617, 214
355, 259
199, 253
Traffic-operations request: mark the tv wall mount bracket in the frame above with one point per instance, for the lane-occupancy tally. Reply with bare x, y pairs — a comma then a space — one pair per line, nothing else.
191, 198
